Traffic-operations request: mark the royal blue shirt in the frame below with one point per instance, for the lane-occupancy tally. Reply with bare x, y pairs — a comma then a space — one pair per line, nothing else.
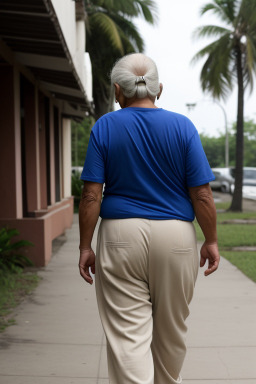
147, 158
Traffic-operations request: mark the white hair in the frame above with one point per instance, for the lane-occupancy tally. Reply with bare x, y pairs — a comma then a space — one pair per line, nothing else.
137, 76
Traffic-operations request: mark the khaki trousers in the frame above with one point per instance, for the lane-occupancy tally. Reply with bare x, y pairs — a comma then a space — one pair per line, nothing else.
145, 276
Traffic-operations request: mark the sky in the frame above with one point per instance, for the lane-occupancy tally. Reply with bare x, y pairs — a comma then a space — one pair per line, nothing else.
171, 46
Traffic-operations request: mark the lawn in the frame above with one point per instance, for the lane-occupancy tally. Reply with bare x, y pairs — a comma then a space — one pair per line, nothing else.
235, 235
245, 261
13, 288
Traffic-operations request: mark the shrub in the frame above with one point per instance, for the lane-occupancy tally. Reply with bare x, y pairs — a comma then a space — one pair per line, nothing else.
77, 186
10, 258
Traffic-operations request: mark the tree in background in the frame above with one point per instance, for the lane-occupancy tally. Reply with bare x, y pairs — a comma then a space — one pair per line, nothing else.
110, 35
80, 139
249, 142
230, 60
214, 147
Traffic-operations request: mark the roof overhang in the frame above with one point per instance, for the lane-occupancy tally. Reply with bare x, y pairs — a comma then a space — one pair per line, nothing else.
30, 28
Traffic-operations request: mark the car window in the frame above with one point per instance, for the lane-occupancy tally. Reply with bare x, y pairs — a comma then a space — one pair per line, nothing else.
249, 174
216, 174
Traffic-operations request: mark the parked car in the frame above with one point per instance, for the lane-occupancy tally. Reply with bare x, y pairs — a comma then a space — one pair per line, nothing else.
223, 179
249, 178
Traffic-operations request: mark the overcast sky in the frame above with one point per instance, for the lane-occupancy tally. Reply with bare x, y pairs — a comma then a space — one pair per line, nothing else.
171, 46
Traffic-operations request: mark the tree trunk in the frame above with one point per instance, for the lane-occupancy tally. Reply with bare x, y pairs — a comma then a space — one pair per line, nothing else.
237, 200
101, 100
101, 108
111, 99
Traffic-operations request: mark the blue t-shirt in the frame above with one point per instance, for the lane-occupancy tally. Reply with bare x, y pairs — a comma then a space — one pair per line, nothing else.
147, 158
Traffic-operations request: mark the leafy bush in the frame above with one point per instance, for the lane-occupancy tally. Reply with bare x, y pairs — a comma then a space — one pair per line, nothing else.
77, 186
10, 258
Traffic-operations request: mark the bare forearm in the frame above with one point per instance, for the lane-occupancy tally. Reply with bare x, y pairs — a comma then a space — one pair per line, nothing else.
205, 211
89, 210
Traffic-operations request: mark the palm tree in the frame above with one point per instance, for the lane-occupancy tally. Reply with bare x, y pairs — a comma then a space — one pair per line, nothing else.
110, 35
230, 60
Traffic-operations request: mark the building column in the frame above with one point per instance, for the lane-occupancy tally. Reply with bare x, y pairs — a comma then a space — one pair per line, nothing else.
66, 150
10, 144
32, 147
52, 152
42, 151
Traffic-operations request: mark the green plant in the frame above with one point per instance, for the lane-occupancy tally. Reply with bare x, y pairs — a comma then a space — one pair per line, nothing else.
77, 185
230, 60
10, 258
112, 33
80, 138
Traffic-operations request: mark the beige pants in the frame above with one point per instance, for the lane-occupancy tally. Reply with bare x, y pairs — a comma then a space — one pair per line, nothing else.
145, 276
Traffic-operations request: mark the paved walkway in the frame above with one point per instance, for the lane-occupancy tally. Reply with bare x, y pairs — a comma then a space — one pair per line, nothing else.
58, 338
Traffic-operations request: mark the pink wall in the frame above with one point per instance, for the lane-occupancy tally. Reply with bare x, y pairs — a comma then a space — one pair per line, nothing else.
42, 230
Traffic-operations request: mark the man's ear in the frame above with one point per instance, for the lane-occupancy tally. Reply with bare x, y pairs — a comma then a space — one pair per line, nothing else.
161, 90
117, 91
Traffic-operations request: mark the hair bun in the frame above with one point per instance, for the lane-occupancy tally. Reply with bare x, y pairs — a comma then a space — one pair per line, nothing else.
125, 73
140, 79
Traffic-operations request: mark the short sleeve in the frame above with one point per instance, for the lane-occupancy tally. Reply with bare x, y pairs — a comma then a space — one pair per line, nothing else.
198, 171
94, 168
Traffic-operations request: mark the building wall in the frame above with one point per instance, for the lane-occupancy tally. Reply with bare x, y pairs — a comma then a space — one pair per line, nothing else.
74, 32
42, 230
38, 91
33, 136
66, 14
88, 76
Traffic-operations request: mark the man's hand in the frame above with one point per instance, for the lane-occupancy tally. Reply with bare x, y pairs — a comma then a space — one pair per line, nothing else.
87, 259
210, 251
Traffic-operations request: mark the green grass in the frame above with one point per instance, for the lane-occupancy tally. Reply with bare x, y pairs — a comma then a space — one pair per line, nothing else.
223, 205
223, 216
245, 261
13, 287
235, 235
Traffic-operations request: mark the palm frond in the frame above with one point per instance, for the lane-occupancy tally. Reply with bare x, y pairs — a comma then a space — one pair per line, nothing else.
148, 10
246, 18
125, 7
128, 30
224, 9
216, 75
249, 63
108, 27
132, 8
128, 45
208, 49
210, 31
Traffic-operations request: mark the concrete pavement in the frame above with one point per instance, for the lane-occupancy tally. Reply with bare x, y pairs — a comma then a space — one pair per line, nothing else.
58, 337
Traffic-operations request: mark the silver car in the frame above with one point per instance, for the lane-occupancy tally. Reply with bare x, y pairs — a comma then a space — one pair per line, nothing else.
223, 179
249, 181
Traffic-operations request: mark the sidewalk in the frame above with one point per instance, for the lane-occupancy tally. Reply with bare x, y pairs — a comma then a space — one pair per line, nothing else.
58, 338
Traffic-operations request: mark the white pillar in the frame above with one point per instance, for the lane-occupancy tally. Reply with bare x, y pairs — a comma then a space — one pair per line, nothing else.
66, 150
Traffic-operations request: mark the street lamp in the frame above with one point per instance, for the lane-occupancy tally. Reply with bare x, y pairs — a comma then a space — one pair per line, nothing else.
193, 105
